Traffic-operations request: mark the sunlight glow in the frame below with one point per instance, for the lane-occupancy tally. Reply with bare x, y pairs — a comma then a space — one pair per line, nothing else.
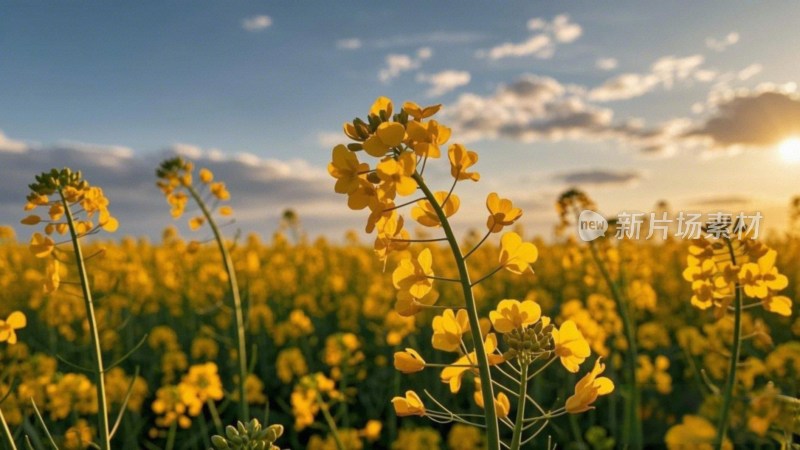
790, 150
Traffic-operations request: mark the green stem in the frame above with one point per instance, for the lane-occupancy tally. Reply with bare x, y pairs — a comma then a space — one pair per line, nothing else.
633, 419
487, 390
212, 408
331, 423
237, 303
171, 435
103, 429
9, 438
516, 439
730, 383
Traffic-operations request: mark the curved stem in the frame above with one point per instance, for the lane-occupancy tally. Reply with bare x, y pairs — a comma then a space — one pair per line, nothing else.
103, 429
492, 426
518, 424
331, 423
9, 438
730, 383
237, 303
633, 419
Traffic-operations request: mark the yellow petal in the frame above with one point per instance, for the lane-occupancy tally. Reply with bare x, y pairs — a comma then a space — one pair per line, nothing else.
17, 320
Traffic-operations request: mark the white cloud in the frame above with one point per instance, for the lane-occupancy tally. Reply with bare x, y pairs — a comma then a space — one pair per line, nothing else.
749, 72
445, 81
722, 43
11, 146
564, 30
256, 23
349, 44
329, 139
606, 63
665, 72
536, 108
399, 63
541, 44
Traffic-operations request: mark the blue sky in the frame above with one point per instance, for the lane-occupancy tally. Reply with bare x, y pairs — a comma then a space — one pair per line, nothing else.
275, 81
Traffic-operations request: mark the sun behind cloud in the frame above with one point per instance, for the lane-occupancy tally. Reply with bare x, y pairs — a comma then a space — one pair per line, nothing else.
789, 150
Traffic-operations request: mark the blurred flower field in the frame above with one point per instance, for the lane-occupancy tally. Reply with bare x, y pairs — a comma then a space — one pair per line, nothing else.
338, 342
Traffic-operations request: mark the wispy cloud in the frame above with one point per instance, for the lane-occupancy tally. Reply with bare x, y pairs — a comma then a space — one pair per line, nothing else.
444, 82
606, 63
399, 63
349, 44
664, 72
599, 177
541, 43
255, 24
722, 43
425, 39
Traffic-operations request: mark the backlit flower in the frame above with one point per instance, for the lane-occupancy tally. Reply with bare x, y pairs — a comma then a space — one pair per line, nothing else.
419, 113
462, 159
513, 314
412, 275
588, 389
346, 169
516, 256
502, 213
448, 329
424, 213
387, 136
395, 175
454, 373
571, 347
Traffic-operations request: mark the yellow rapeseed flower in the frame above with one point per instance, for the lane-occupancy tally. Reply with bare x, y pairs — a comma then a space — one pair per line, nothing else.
410, 405
693, 432
412, 275
408, 361
462, 159
513, 315
448, 329
395, 175
454, 373
41, 246
516, 256
387, 136
571, 347
8, 328
426, 137
419, 113
424, 213
346, 169
588, 389
502, 213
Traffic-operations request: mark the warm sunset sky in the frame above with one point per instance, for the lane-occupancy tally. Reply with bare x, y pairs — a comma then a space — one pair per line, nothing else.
633, 101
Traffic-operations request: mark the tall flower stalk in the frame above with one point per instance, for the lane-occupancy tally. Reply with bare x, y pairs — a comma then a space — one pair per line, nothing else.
404, 144
727, 266
572, 203
175, 177
71, 190
730, 382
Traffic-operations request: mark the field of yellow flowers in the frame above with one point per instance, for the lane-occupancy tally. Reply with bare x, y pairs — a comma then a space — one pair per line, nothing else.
400, 343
